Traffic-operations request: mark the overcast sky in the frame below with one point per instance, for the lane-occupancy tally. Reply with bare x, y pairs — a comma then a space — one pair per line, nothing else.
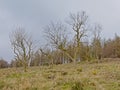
35, 14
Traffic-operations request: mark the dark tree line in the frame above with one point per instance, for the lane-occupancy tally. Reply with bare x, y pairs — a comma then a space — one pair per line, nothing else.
3, 63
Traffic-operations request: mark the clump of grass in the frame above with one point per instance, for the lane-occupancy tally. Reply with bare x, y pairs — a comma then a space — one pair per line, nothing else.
71, 85
80, 69
2, 84
49, 76
14, 75
64, 73
19, 75
77, 86
88, 82
112, 75
35, 88
94, 72
66, 86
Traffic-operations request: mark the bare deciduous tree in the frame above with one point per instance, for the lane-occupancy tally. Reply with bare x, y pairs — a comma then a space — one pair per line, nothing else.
78, 22
57, 37
48, 54
22, 45
96, 43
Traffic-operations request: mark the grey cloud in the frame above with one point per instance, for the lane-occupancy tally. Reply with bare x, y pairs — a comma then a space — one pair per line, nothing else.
35, 14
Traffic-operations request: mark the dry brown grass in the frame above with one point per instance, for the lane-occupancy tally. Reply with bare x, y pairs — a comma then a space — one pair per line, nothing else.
82, 76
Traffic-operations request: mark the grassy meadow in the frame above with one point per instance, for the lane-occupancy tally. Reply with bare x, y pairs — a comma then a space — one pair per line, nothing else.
82, 76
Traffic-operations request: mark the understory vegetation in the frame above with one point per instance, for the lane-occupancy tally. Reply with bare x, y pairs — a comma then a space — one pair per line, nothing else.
82, 76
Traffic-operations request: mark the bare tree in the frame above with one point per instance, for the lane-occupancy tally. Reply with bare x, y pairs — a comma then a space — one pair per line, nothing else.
57, 37
22, 45
96, 43
78, 22
48, 54
117, 45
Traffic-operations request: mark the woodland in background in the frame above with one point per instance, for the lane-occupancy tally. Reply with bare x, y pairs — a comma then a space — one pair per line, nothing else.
75, 40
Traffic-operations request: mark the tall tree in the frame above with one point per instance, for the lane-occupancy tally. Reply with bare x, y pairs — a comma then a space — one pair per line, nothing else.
22, 45
78, 22
96, 43
57, 37
117, 46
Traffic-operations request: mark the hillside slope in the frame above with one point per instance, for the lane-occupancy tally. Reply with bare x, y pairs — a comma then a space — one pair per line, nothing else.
82, 76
